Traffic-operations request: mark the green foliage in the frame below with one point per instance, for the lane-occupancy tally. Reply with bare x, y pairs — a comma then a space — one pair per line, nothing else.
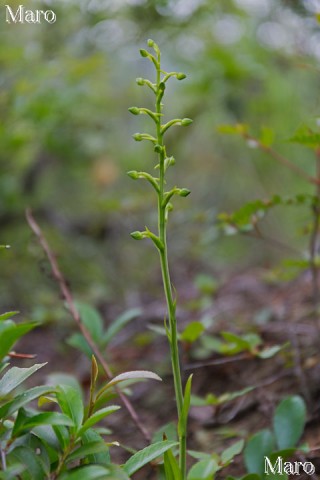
288, 424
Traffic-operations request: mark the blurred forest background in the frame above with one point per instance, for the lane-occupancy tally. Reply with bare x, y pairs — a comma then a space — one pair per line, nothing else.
66, 145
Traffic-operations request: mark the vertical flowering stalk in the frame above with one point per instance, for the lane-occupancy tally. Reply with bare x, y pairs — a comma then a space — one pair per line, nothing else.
160, 238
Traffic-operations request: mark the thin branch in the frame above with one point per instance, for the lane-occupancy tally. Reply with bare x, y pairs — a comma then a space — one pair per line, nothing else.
283, 160
67, 295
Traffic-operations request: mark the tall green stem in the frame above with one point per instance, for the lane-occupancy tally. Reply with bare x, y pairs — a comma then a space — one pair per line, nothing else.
160, 240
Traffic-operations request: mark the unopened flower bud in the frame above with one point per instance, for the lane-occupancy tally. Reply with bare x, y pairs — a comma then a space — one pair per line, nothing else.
140, 81
162, 86
158, 148
181, 76
184, 192
150, 43
144, 53
137, 137
186, 121
137, 235
252, 143
133, 174
134, 110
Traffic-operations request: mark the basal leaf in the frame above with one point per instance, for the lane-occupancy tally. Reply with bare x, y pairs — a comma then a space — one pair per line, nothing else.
203, 470
259, 445
289, 421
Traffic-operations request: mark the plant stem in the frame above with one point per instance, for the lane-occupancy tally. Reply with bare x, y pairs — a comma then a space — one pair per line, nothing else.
314, 239
171, 307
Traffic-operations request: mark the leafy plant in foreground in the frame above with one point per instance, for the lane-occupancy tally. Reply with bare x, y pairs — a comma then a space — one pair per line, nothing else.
159, 239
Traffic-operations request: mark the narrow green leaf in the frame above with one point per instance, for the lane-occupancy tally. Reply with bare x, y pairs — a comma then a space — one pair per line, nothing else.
171, 466
134, 375
97, 416
15, 376
92, 319
203, 470
71, 404
22, 399
102, 457
44, 418
95, 472
289, 421
229, 453
143, 457
27, 457
182, 426
7, 315
87, 449
260, 445
119, 323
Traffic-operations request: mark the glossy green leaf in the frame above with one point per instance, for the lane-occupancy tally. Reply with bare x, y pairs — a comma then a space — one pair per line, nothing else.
15, 376
259, 445
203, 470
143, 457
71, 404
97, 416
289, 421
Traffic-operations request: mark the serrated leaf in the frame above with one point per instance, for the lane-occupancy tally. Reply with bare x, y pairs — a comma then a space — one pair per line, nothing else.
145, 456
71, 404
97, 416
260, 445
15, 376
289, 421
203, 470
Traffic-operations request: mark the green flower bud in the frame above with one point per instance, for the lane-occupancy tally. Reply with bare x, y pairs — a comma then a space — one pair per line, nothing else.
150, 43
144, 53
169, 207
162, 86
137, 235
134, 110
184, 192
181, 76
158, 148
137, 137
170, 161
140, 81
133, 174
186, 121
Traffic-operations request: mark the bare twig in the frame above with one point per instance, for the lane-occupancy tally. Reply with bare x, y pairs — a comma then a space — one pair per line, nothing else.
67, 295
314, 239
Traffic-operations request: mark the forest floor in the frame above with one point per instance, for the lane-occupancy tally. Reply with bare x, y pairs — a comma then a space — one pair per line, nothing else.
245, 303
